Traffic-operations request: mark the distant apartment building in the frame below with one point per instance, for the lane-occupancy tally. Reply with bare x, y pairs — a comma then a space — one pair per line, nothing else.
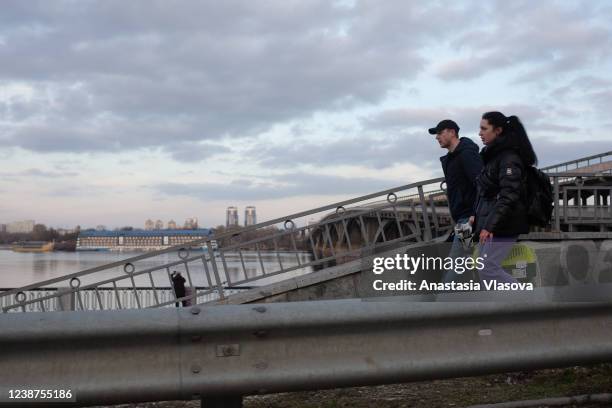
100, 228
2, 227
250, 216
171, 224
149, 225
191, 223
231, 217
18, 227
159, 224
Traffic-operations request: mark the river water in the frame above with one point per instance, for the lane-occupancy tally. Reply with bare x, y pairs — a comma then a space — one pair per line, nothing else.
20, 269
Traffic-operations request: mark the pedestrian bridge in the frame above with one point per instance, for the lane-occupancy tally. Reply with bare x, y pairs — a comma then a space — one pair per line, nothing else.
294, 258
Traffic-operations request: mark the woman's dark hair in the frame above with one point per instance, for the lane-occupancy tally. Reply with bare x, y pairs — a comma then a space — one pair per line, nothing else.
513, 130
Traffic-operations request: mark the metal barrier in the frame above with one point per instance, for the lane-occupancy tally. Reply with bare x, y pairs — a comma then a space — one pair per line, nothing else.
597, 164
225, 352
591, 164
63, 299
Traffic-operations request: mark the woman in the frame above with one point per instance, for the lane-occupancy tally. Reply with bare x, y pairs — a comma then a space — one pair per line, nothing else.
501, 214
178, 282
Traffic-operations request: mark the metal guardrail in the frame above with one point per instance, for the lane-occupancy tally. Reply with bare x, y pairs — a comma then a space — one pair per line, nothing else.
580, 163
596, 164
226, 352
63, 299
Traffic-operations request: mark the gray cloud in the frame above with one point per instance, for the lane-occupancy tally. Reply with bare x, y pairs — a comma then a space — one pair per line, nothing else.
546, 38
398, 145
468, 118
62, 138
78, 191
553, 151
403, 118
389, 138
42, 173
192, 152
38, 173
603, 97
110, 76
588, 99
550, 151
552, 127
277, 187
463, 69
582, 84
361, 150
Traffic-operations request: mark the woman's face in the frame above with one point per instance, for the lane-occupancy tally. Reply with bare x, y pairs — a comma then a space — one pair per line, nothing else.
487, 132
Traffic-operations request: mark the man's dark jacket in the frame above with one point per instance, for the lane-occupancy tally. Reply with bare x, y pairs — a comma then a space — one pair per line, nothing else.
500, 208
461, 167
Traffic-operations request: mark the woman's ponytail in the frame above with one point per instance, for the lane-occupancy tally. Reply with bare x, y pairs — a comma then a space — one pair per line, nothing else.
521, 141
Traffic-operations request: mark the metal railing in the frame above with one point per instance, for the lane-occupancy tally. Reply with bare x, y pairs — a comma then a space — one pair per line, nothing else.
231, 351
582, 163
600, 164
63, 299
287, 245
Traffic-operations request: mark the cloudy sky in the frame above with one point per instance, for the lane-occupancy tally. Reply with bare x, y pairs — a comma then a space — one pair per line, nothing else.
112, 112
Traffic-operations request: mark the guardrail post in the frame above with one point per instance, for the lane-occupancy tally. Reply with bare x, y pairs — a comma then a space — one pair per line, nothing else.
556, 207
565, 205
65, 300
211, 254
223, 401
610, 203
427, 236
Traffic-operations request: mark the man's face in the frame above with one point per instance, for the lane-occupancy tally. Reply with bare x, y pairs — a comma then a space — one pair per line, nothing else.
444, 137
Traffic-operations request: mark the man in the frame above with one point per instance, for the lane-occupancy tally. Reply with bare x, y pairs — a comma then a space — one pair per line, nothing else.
461, 165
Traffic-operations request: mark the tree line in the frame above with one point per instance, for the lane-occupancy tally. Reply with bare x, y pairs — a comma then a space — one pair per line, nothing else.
289, 242
39, 233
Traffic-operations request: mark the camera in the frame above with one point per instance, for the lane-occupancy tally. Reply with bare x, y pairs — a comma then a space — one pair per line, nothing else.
465, 234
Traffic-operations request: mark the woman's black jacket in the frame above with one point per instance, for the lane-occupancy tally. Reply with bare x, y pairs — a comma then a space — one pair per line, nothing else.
500, 202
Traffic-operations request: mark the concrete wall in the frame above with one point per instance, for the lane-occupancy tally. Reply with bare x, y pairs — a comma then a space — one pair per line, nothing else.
558, 263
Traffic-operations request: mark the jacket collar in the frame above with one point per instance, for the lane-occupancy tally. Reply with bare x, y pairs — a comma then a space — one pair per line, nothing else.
500, 144
463, 142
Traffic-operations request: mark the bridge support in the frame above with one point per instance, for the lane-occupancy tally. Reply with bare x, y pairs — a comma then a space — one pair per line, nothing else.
222, 401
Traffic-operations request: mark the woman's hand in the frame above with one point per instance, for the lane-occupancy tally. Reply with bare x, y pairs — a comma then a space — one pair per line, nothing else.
484, 235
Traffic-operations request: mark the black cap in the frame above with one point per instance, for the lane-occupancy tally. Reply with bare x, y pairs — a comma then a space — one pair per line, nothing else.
445, 124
